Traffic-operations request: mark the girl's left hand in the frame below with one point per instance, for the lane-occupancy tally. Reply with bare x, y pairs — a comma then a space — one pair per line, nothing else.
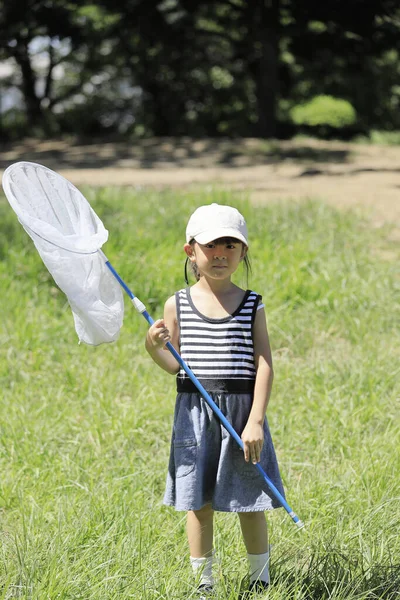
253, 440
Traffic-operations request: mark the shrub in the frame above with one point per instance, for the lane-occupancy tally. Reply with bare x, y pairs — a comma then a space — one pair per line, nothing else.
323, 111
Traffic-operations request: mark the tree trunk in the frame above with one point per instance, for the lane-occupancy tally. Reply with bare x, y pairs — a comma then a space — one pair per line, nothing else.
32, 102
264, 39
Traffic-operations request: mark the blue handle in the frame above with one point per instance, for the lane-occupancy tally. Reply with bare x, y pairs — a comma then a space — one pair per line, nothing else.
209, 400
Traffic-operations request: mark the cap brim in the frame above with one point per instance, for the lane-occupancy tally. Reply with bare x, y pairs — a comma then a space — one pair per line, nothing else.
210, 235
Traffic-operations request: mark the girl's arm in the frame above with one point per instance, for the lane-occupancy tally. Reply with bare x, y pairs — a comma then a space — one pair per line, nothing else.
253, 435
163, 331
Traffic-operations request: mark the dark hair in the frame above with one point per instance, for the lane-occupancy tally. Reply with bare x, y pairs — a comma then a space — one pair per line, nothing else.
224, 240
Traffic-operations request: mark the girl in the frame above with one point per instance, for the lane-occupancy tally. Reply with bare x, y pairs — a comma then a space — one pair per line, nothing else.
220, 331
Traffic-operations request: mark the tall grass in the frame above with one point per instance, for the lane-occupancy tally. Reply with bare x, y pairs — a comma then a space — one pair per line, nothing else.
85, 431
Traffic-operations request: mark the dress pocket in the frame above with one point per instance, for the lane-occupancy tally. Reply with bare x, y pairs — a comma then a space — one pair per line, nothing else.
185, 454
246, 470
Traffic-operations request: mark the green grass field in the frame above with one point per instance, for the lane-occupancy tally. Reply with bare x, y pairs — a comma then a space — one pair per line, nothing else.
85, 431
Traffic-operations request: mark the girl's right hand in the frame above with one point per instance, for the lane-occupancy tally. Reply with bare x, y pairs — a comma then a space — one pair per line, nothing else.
158, 334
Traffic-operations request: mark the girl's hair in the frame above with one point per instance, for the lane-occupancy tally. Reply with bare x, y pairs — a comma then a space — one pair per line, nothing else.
226, 240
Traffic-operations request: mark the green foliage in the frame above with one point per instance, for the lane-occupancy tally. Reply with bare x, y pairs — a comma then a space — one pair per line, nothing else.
201, 68
13, 124
386, 138
85, 431
324, 110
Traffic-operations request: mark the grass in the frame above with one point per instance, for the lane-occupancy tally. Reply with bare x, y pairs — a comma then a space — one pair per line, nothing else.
85, 431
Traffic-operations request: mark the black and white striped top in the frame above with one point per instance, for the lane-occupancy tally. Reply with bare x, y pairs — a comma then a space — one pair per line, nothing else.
219, 351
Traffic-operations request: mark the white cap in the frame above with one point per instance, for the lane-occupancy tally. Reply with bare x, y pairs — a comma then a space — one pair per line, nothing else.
214, 221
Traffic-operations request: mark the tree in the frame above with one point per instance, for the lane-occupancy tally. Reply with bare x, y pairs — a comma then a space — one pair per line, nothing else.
347, 50
42, 37
174, 67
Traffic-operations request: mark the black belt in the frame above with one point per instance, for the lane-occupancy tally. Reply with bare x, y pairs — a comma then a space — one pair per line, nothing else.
221, 386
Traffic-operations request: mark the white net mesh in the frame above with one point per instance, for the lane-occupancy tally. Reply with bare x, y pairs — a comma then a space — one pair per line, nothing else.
67, 234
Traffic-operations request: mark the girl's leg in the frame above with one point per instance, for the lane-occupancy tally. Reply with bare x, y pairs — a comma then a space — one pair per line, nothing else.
200, 530
255, 535
200, 536
254, 531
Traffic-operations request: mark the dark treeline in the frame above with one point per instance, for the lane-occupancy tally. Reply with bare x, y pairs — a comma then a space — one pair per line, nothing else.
186, 67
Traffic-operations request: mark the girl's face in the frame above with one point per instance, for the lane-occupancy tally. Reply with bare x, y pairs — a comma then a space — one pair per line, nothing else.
218, 259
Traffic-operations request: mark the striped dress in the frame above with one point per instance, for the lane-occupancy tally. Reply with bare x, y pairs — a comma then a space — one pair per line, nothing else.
206, 465
220, 352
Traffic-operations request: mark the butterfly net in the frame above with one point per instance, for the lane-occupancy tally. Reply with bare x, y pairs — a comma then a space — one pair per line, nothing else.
68, 234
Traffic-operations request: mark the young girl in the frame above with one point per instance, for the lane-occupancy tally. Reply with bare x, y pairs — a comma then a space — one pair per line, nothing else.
220, 331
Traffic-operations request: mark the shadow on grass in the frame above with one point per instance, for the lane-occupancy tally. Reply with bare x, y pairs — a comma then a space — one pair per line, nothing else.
334, 575
313, 172
166, 152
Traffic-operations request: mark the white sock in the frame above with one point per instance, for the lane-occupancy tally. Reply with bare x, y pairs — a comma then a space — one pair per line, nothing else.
259, 567
202, 568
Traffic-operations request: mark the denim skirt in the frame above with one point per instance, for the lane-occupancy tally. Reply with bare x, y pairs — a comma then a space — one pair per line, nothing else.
206, 465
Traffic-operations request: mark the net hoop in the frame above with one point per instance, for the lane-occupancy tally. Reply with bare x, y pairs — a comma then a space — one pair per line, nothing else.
27, 184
